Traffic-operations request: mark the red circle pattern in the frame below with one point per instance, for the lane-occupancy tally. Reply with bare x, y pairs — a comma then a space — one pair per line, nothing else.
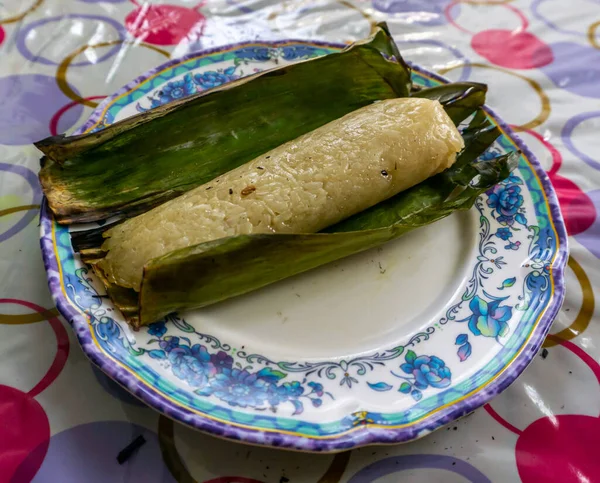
24, 428
165, 24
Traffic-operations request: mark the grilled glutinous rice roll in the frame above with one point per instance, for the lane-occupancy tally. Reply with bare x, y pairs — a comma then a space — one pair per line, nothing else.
302, 186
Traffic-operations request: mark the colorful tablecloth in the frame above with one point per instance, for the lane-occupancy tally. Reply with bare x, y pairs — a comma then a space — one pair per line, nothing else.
63, 421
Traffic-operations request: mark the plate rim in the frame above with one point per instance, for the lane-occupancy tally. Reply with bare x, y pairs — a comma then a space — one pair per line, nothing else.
365, 434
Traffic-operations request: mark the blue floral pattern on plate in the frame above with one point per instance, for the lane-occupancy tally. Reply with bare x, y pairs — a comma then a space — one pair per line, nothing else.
211, 384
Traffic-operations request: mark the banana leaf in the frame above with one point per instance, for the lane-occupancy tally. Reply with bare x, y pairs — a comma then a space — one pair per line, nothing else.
144, 167
459, 99
140, 162
210, 272
217, 270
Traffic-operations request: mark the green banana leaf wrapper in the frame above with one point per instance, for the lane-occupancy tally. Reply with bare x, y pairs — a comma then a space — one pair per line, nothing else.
204, 274
210, 272
145, 160
459, 99
153, 157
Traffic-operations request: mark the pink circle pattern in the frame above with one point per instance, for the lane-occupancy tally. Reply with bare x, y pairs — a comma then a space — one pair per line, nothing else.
24, 425
24, 434
560, 447
512, 49
165, 24
557, 448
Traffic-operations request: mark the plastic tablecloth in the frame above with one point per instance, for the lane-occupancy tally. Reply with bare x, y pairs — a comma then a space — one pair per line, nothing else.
61, 420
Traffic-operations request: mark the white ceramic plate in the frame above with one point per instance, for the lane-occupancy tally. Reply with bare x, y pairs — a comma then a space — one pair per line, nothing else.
381, 347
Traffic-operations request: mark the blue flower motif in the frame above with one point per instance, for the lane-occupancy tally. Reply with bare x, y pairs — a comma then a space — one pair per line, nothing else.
461, 339
254, 53
513, 246
464, 352
506, 199
427, 371
157, 329
488, 319
238, 388
192, 364
513, 179
285, 392
157, 354
316, 387
504, 233
212, 78
169, 343
520, 218
221, 360
293, 389
298, 51
175, 90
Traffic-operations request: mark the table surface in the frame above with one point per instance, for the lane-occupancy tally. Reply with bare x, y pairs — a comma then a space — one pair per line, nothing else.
63, 421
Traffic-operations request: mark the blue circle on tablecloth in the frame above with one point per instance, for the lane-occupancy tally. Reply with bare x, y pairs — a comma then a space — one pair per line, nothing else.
88, 453
397, 464
29, 215
421, 12
22, 33
576, 68
29, 101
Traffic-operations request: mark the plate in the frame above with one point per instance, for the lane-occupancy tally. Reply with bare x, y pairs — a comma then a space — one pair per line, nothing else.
382, 347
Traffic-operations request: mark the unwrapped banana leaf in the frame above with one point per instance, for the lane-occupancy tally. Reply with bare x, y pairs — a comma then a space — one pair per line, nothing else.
140, 162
